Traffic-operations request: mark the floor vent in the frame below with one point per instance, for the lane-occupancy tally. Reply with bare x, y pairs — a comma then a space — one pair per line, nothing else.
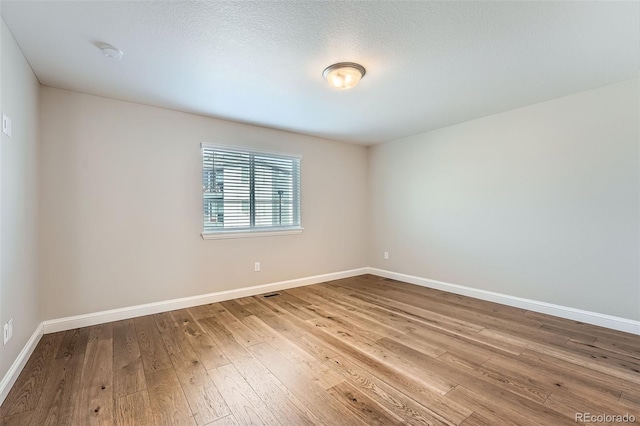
271, 295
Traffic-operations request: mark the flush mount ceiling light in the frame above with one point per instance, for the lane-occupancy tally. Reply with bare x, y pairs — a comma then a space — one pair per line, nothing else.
344, 75
111, 52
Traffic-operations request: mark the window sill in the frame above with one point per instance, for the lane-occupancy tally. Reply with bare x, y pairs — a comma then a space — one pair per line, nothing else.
249, 234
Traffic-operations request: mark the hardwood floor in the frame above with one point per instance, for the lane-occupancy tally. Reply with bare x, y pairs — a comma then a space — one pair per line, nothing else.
358, 351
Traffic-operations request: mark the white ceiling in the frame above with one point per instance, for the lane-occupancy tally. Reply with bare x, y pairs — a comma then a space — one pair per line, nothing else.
429, 64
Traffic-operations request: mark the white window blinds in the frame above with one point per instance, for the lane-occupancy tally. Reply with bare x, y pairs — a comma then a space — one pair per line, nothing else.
246, 190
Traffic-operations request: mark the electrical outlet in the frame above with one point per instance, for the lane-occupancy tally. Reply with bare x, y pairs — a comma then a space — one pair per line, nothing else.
6, 125
386, 255
256, 267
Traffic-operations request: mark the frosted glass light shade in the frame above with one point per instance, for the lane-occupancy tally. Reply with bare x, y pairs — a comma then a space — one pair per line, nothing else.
344, 75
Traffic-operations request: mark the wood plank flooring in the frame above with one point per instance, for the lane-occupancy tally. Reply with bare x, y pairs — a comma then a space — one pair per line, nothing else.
358, 351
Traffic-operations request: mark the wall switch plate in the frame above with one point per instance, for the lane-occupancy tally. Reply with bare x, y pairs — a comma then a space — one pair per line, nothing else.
6, 125
8, 331
386, 255
256, 267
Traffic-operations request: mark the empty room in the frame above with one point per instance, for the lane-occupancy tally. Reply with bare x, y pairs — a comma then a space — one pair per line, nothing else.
319, 213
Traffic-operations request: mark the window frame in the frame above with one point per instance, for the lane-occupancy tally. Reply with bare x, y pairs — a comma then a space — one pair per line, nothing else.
259, 231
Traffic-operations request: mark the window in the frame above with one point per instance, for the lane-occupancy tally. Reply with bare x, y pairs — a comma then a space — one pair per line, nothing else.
249, 193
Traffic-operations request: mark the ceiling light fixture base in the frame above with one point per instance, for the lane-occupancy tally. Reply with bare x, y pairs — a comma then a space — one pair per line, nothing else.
111, 52
344, 75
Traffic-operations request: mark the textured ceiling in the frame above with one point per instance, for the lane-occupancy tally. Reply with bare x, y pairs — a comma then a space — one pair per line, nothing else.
429, 64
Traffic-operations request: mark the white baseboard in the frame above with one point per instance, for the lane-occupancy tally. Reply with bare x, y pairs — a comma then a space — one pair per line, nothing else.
16, 368
68, 323
595, 318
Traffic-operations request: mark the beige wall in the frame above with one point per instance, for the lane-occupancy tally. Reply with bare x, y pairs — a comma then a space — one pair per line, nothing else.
541, 202
18, 200
121, 208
